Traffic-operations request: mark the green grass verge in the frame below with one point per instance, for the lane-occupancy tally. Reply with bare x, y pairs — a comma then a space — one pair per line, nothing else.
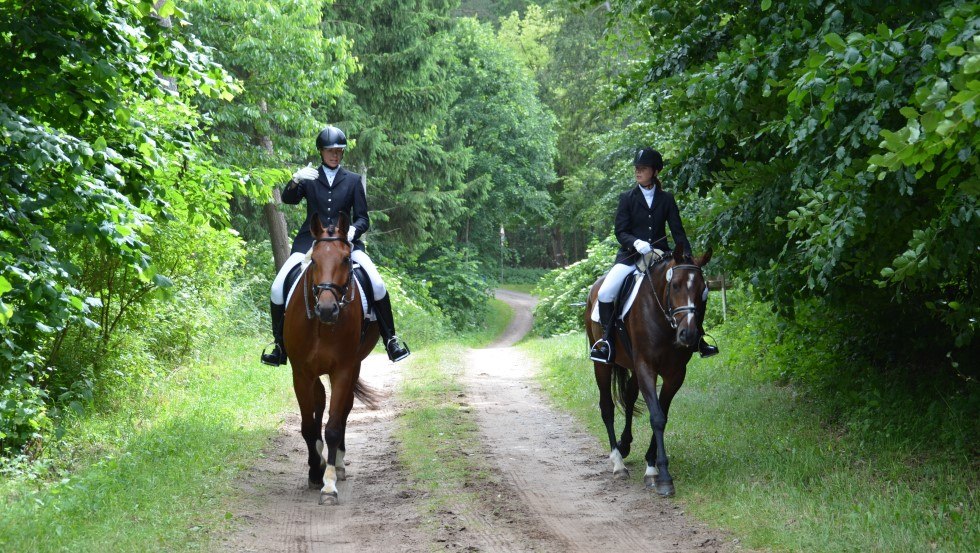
157, 474
436, 430
756, 458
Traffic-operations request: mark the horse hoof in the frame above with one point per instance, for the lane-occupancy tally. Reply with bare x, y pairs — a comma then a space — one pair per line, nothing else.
664, 488
623, 474
328, 498
341, 473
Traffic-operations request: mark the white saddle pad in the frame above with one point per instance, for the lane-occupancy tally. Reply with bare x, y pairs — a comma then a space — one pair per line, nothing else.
626, 305
370, 316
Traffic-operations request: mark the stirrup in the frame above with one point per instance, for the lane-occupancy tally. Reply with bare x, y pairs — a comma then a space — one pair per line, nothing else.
707, 350
274, 358
596, 354
396, 349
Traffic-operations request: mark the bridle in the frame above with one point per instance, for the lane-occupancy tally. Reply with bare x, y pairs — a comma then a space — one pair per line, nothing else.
343, 294
670, 313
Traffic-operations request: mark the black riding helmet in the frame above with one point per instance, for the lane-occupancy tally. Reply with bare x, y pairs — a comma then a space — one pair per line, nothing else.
331, 137
648, 157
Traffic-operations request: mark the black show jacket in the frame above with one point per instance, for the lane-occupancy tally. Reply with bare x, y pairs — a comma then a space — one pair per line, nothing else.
346, 195
634, 220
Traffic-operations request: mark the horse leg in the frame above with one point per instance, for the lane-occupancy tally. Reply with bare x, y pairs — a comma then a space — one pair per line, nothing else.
305, 390
603, 379
657, 476
341, 400
629, 404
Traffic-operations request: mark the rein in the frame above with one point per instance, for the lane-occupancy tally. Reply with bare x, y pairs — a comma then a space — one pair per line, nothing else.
340, 293
670, 313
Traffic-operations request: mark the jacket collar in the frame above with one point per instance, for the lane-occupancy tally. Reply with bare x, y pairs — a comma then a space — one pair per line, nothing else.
341, 172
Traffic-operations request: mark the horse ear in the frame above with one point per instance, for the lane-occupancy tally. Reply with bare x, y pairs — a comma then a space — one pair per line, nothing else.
343, 223
678, 255
705, 258
316, 227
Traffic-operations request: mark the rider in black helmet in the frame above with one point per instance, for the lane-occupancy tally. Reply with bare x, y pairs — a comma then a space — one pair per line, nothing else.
329, 190
641, 218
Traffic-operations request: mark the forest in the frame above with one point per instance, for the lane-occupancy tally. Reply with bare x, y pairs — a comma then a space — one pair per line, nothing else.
826, 151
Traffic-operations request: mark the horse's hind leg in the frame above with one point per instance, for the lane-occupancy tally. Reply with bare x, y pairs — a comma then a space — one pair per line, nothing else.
603, 379
632, 392
306, 390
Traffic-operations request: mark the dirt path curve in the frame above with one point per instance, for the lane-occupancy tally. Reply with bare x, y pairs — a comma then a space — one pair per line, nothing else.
376, 513
553, 476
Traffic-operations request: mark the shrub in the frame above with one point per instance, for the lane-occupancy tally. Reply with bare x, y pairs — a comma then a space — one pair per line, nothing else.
563, 291
459, 285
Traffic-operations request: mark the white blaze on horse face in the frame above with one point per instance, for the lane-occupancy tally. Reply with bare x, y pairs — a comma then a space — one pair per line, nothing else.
617, 461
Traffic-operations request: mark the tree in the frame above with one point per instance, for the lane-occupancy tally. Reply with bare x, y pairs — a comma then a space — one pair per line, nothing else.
291, 74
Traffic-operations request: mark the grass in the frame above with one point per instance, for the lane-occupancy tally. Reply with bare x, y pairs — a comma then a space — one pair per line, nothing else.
758, 459
437, 432
155, 475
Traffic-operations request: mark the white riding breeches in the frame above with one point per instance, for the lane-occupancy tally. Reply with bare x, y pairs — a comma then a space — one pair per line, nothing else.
377, 284
359, 257
278, 296
614, 281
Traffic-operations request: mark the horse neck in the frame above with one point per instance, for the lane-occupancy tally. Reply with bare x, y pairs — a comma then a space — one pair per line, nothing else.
652, 312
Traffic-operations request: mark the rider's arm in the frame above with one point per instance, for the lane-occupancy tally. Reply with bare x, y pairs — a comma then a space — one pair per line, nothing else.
359, 212
676, 227
293, 193
623, 218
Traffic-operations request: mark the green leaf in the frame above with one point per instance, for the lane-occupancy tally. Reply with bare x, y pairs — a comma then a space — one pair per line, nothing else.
5, 286
766, 4
955, 50
835, 41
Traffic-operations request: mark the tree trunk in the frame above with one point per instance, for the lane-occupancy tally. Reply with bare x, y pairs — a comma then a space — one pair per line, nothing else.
274, 218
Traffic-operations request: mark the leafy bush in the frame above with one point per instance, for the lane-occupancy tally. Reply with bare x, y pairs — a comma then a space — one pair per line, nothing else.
418, 318
523, 275
563, 291
459, 284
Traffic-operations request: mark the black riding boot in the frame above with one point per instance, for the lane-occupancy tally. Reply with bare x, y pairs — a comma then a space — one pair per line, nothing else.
602, 350
278, 354
396, 349
706, 349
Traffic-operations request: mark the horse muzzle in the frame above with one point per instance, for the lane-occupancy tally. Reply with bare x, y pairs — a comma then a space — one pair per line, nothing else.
688, 337
327, 314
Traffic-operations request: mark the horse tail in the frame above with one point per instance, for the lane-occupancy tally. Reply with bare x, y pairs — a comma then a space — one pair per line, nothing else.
369, 396
620, 390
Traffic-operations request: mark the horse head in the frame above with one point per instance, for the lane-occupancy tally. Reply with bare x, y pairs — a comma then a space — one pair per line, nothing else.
685, 296
330, 270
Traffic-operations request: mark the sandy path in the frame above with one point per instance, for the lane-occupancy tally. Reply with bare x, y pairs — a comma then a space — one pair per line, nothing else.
554, 475
376, 511
549, 487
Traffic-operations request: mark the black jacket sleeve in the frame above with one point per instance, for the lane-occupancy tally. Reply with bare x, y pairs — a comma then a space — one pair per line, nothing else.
676, 227
359, 211
293, 193
623, 234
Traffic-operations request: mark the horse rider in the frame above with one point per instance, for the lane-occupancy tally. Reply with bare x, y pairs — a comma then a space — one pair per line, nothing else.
329, 190
641, 217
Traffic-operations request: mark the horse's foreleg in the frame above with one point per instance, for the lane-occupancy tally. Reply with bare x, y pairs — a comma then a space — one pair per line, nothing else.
632, 392
657, 476
341, 401
305, 389
603, 379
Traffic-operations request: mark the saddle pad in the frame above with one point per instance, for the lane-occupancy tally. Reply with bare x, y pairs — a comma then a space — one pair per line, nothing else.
626, 304
368, 315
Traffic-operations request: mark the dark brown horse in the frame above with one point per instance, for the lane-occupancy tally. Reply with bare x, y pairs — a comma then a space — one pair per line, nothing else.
323, 335
663, 329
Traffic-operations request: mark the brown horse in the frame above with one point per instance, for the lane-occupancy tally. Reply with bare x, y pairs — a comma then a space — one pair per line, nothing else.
663, 327
323, 335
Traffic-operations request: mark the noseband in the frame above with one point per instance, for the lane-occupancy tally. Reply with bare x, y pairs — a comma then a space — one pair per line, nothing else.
670, 313
343, 294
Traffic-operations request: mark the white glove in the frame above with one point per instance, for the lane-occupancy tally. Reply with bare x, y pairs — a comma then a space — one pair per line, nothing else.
642, 247
306, 173
350, 233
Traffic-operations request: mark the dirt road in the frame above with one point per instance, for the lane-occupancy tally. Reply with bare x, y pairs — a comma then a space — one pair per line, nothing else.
550, 488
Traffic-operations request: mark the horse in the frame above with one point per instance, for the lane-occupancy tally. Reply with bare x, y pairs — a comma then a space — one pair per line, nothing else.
323, 335
663, 327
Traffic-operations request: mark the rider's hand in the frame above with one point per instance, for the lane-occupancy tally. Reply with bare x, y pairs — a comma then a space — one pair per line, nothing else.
306, 173
642, 246
350, 233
